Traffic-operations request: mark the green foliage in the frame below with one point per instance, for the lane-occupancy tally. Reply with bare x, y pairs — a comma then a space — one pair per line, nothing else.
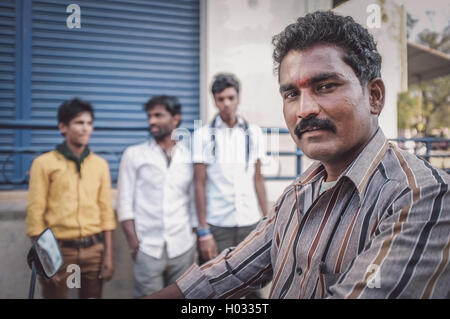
408, 110
436, 103
433, 112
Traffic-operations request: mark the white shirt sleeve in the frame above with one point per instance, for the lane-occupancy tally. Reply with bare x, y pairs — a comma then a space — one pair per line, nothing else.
202, 146
125, 187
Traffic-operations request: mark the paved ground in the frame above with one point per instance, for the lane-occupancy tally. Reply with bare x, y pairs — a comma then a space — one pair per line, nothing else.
14, 245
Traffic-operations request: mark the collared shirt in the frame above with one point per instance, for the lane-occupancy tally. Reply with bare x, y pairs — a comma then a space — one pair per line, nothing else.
383, 231
230, 189
74, 205
159, 197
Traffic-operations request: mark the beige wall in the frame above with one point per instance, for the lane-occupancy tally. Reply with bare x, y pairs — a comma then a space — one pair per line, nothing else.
238, 39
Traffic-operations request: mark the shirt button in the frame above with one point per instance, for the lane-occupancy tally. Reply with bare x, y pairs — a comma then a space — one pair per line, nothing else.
299, 271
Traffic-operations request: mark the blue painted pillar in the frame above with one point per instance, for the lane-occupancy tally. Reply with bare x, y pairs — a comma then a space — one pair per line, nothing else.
22, 137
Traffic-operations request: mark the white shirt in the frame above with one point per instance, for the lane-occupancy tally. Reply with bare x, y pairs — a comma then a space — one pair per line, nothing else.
158, 197
230, 189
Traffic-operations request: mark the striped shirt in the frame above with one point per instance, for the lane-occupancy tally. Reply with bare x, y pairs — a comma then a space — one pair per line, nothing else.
382, 231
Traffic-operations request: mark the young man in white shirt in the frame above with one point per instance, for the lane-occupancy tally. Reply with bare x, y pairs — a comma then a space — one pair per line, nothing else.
155, 201
227, 169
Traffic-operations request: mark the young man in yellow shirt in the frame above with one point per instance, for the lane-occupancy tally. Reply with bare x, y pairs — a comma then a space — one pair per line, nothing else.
70, 192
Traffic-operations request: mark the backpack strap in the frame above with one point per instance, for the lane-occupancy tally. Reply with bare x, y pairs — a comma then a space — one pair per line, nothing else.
247, 139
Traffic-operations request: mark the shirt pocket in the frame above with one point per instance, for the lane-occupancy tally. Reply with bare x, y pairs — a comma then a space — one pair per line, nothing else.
149, 176
62, 181
327, 279
91, 186
323, 283
331, 279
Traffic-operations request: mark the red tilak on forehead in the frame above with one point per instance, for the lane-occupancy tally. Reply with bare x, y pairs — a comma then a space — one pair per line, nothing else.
302, 83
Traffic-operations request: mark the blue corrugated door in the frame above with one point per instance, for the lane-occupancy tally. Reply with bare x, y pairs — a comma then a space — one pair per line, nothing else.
7, 82
123, 53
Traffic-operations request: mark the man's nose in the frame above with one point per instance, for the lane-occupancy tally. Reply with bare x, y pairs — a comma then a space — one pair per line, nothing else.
307, 105
227, 102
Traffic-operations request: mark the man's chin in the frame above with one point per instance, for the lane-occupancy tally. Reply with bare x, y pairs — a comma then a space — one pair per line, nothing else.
317, 152
159, 137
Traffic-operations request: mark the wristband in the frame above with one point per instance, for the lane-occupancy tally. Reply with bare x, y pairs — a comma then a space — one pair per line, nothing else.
206, 237
203, 232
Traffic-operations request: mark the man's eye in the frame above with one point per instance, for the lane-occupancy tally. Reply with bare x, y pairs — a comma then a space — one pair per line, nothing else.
326, 87
290, 95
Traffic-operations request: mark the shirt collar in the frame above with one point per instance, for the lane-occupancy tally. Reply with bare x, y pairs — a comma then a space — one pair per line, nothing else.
178, 145
219, 123
68, 154
361, 168
367, 161
152, 143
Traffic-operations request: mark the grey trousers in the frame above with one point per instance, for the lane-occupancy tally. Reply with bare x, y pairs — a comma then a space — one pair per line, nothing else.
152, 274
230, 237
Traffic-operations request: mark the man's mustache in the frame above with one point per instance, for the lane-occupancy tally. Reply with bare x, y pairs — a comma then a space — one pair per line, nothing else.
313, 123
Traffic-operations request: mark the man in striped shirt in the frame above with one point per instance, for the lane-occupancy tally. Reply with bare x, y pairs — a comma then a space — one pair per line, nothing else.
367, 220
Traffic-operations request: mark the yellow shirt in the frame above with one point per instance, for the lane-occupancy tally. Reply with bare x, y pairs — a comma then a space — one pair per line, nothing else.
72, 206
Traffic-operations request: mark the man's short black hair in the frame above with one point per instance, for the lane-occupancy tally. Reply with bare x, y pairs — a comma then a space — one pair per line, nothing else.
329, 28
70, 109
171, 104
223, 81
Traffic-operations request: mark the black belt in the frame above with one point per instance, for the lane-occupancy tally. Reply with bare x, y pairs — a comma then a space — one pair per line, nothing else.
83, 242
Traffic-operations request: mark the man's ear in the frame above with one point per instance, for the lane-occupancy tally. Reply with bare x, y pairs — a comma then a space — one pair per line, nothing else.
62, 128
177, 118
215, 101
376, 95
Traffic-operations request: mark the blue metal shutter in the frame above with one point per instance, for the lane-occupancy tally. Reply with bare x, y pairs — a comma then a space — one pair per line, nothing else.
7, 82
124, 53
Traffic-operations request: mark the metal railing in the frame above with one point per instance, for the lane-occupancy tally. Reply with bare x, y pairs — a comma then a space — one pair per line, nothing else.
11, 153
423, 147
